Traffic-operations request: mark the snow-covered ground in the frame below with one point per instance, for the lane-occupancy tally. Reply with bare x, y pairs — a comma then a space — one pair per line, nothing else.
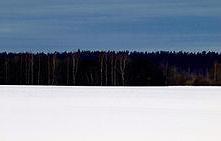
37, 113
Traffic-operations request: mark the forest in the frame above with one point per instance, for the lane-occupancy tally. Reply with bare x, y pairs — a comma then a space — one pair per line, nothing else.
110, 68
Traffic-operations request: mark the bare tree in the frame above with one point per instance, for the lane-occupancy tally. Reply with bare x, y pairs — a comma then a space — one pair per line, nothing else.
53, 68
166, 72
106, 74
115, 72
49, 69
32, 69
68, 69
112, 69
101, 60
91, 78
21, 69
123, 61
26, 68
6, 69
215, 72
39, 68
27, 65
75, 61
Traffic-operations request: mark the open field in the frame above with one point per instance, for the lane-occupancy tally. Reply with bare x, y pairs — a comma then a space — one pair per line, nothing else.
38, 113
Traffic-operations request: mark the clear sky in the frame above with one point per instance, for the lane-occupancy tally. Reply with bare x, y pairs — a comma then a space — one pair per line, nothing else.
142, 25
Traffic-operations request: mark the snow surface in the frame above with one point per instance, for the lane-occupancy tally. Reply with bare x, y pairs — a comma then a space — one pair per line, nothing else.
39, 113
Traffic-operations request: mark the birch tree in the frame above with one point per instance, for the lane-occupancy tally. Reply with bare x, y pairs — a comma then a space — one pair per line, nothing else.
101, 60
32, 69
39, 68
68, 69
75, 61
53, 68
106, 71
6, 69
122, 62
49, 69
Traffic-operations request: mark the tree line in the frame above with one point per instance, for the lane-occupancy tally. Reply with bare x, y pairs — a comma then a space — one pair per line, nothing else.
110, 68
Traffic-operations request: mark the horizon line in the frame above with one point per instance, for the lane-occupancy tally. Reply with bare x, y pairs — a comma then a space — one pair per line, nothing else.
108, 51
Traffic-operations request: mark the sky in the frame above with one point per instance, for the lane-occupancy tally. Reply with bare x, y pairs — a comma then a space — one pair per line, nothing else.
141, 25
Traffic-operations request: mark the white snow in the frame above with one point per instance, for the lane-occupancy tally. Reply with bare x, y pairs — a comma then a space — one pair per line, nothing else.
39, 113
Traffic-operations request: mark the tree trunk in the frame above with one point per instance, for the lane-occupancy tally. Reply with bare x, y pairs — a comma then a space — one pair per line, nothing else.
115, 73
123, 59
112, 70
39, 68
53, 69
21, 70
6, 70
92, 79
75, 61
106, 80
166, 73
215, 72
32, 69
73, 69
49, 69
101, 58
26, 69
68, 68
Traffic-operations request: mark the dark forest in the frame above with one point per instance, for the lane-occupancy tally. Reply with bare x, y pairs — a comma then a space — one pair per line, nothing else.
96, 68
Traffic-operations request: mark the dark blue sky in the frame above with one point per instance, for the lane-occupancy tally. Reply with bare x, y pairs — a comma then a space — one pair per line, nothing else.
142, 25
